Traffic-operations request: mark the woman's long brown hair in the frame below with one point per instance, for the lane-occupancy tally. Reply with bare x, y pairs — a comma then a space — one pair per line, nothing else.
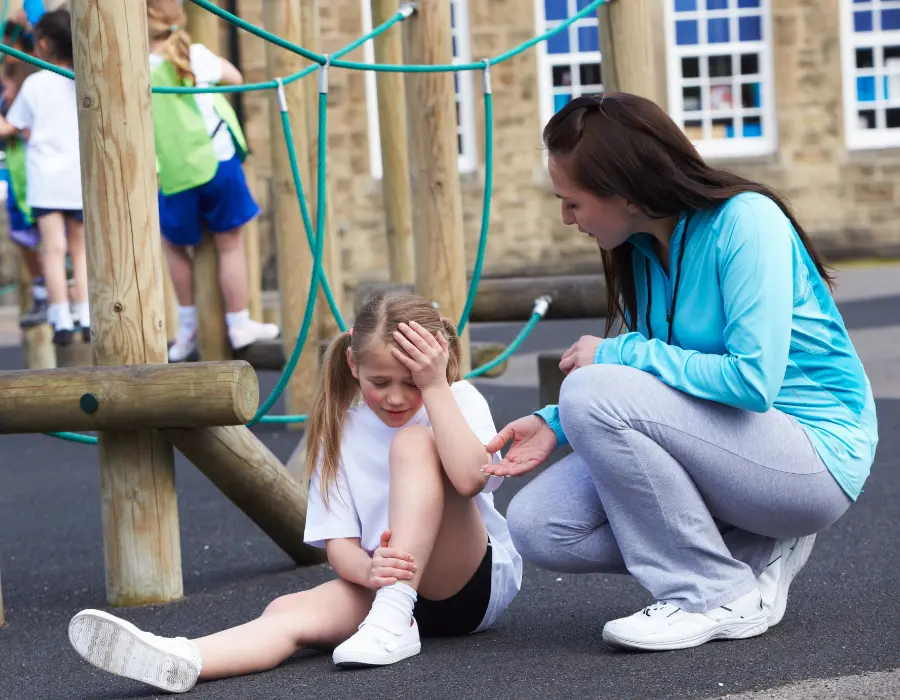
626, 145
338, 390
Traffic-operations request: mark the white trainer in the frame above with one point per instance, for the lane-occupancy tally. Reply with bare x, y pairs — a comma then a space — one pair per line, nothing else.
664, 626
185, 344
374, 645
788, 557
117, 646
250, 332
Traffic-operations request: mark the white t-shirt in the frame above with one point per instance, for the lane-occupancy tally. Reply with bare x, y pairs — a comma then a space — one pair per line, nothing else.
358, 505
47, 105
207, 68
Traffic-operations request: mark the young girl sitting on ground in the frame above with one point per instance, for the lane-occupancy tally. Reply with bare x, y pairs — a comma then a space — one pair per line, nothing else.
199, 150
397, 498
46, 108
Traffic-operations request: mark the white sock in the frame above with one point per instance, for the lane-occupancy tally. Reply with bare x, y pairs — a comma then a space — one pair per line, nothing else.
60, 316
187, 319
39, 291
237, 318
82, 311
393, 607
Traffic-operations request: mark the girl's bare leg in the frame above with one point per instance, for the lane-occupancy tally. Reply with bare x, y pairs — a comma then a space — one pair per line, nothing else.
232, 269
428, 516
322, 617
182, 271
78, 254
52, 228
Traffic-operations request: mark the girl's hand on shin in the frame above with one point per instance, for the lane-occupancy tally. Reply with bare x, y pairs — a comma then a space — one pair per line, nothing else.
389, 565
424, 354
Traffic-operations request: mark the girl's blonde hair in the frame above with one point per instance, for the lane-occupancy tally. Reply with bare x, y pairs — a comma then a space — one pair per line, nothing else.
338, 390
166, 20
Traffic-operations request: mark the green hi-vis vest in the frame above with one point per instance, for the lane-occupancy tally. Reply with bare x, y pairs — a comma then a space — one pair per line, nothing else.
18, 180
185, 157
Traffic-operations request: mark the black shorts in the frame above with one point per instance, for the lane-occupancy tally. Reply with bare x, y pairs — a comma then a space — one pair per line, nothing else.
77, 214
461, 613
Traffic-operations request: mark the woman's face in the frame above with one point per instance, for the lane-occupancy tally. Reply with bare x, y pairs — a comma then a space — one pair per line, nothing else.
608, 220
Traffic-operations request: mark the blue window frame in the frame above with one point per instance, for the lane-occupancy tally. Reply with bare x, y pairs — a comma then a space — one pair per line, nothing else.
720, 77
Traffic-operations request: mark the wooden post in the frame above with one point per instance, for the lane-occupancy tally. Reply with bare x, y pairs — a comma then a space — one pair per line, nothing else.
437, 216
331, 254
212, 333
171, 304
37, 341
252, 250
395, 185
293, 253
255, 480
633, 49
115, 124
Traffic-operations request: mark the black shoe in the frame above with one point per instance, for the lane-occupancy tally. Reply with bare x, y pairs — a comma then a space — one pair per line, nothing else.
86, 334
36, 316
63, 337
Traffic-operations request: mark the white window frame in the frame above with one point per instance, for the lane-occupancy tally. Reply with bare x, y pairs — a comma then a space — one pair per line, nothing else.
546, 60
739, 146
858, 138
468, 159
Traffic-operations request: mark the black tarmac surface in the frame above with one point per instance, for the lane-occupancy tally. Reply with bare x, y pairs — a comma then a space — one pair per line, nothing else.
842, 615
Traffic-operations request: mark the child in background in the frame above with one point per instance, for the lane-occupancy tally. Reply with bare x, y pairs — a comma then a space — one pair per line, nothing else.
199, 151
46, 109
399, 501
22, 230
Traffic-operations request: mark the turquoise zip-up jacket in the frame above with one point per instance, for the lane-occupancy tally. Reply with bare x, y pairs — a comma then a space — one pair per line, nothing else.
755, 328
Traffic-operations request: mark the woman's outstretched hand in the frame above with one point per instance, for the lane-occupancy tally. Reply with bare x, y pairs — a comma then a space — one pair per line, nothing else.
533, 441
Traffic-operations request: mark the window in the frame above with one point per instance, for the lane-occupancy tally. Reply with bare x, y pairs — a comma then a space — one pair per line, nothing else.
568, 62
465, 117
870, 42
720, 74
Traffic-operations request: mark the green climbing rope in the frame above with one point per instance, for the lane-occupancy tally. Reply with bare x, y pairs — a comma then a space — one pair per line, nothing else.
315, 237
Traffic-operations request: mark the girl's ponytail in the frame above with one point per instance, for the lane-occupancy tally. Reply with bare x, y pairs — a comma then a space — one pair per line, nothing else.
454, 363
335, 392
166, 21
177, 50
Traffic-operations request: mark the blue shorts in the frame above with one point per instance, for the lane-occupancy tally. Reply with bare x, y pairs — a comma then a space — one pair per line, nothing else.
222, 204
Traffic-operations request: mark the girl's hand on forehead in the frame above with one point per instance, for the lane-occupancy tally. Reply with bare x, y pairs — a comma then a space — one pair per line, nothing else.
424, 354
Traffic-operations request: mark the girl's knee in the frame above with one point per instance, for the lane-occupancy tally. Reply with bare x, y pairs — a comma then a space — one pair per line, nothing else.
413, 441
282, 604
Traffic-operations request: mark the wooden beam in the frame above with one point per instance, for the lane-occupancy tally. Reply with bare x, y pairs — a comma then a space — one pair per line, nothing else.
130, 397
632, 42
254, 479
269, 355
212, 331
37, 341
395, 184
326, 326
252, 248
128, 325
512, 298
433, 152
294, 256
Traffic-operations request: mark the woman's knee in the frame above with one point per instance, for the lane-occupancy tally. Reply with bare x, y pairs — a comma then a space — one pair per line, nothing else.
592, 395
527, 523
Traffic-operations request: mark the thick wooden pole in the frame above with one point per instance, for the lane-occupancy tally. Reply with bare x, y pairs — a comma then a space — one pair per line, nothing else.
37, 341
252, 249
195, 394
137, 469
437, 216
331, 250
395, 184
212, 333
632, 47
254, 479
293, 253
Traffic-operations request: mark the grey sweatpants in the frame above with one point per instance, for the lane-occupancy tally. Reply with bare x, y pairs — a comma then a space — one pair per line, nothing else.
686, 495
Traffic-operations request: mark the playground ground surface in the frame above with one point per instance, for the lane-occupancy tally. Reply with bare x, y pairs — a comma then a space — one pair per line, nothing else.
839, 639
